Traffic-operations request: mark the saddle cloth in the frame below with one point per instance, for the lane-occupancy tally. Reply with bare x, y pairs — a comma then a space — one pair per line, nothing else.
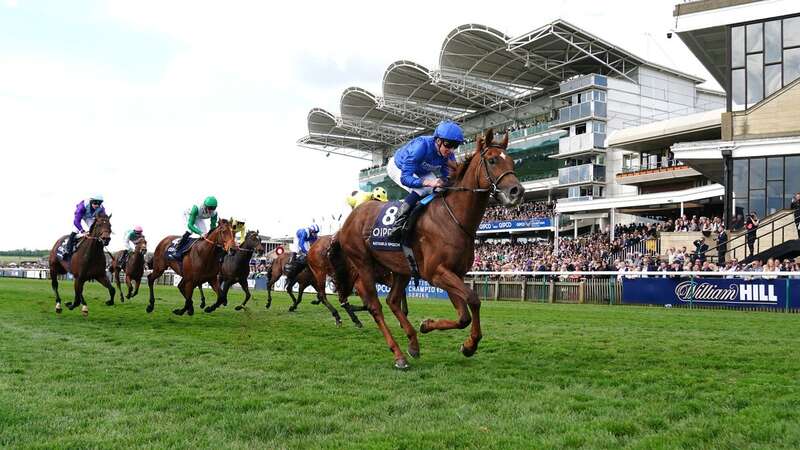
176, 254
379, 237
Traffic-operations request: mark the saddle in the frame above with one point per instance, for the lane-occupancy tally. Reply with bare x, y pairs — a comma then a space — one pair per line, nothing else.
61, 251
379, 237
174, 253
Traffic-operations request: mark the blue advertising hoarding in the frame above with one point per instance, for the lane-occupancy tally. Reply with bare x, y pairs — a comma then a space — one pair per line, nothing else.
772, 293
510, 225
425, 290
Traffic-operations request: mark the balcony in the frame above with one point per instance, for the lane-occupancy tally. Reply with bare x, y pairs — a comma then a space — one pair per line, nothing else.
581, 83
578, 112
373, 172
581, 143
585, 173
660, 170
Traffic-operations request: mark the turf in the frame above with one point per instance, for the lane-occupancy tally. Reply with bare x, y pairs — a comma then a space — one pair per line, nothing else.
545, 376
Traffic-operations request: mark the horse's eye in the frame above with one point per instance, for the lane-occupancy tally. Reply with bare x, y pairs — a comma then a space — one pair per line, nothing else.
492, 160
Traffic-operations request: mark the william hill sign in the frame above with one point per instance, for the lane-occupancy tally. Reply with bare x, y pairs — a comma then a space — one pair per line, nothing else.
709, 291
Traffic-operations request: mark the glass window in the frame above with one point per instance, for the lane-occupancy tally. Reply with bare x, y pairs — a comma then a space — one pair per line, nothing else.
791, 32
755, 38
757, 173
740, 207
580, 128
774, 196
792, 182
772, 41
740, 171
755, 78
737, 47
737, 86
758, 202
772, 79
775, 168
791, 65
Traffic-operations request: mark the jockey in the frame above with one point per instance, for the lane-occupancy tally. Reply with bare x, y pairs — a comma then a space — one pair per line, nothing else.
413, 167
85, 213
358, 197
196, 219
300, 245
131, 236
129, 240
239, 228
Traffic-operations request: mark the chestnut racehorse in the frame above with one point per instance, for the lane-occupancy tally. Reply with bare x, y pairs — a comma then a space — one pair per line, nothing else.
199, 265
134, 269
88, 262
443, 246
235, 269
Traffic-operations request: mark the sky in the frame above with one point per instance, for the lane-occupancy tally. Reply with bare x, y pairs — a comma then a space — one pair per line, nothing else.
156, 104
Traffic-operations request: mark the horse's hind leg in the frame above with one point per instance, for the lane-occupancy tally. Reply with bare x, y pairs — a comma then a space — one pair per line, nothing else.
270, 284
222, 294
395, 300
246, 289
79, 300
295, 300
130, 288
103, 279
158, 270
138, 282
115, 274
54, 285
202, 297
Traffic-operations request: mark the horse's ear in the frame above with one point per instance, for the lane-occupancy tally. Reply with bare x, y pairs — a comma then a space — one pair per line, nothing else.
109, 216
504, 143
479, 144
489, 137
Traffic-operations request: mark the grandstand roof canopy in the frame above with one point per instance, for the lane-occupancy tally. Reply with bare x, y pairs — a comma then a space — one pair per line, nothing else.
481, 70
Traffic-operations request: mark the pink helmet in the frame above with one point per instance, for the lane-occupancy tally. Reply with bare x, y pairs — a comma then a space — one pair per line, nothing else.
137, 228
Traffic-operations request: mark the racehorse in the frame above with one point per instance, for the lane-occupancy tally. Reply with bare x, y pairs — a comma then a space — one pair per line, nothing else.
235, 268
443, 246
199, 265
276, 269
88, 262
134, 269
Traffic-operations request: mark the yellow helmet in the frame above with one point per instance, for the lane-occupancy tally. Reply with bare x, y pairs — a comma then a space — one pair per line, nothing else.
380, 194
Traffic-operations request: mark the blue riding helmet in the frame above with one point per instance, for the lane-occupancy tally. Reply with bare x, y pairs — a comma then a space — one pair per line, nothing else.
449, 131
314, 228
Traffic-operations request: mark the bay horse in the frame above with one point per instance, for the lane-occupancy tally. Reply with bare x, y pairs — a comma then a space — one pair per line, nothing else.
87, 262
235, 269
134, 269
199, 265
443, 245
277, 269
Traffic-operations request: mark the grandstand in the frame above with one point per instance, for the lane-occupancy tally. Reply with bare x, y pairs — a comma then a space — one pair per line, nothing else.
592, 129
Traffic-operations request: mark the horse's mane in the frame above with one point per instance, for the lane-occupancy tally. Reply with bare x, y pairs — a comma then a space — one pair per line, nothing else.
486, 140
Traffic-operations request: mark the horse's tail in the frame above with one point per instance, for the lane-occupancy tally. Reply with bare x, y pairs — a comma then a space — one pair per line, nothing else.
341, 279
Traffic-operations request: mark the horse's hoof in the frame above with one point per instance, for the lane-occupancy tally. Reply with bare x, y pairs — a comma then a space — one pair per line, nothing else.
208, 310
413, 352
109, 302
71, 306
423, 327
149, 308
466, 352
178, 312
239, 308
315, 302
225, 303
401, 364
358, 324
338, 324
292, 309
58, 308
85, 311
190, 311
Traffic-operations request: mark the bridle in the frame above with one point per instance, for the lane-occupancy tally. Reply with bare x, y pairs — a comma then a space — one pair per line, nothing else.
222, 246
492, 191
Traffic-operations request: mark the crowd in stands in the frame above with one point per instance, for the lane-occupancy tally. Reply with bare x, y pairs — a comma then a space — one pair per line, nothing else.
527, 210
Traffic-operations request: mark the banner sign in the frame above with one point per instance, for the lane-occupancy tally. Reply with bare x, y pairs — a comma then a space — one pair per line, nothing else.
772, 293
507, 225
425, 290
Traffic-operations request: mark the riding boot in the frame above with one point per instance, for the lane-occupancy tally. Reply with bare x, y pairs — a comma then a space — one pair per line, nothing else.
70, 245
400, 222
183, 240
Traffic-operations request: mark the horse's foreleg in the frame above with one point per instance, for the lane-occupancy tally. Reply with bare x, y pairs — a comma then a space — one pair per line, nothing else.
202, 296
395, 299
289, 285
222, 294
322, 298
138, 282
103, 279
459, 295
115, 274
129, 284
186, 288
270, 284
246, 289
79, 300
158, 269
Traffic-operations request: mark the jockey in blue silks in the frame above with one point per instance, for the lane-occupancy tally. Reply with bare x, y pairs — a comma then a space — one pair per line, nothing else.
300, 245
414, 167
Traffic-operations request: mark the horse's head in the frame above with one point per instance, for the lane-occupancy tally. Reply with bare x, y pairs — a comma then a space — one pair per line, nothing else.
252, 241
141, 246
101, 228
495, 170
223, 235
